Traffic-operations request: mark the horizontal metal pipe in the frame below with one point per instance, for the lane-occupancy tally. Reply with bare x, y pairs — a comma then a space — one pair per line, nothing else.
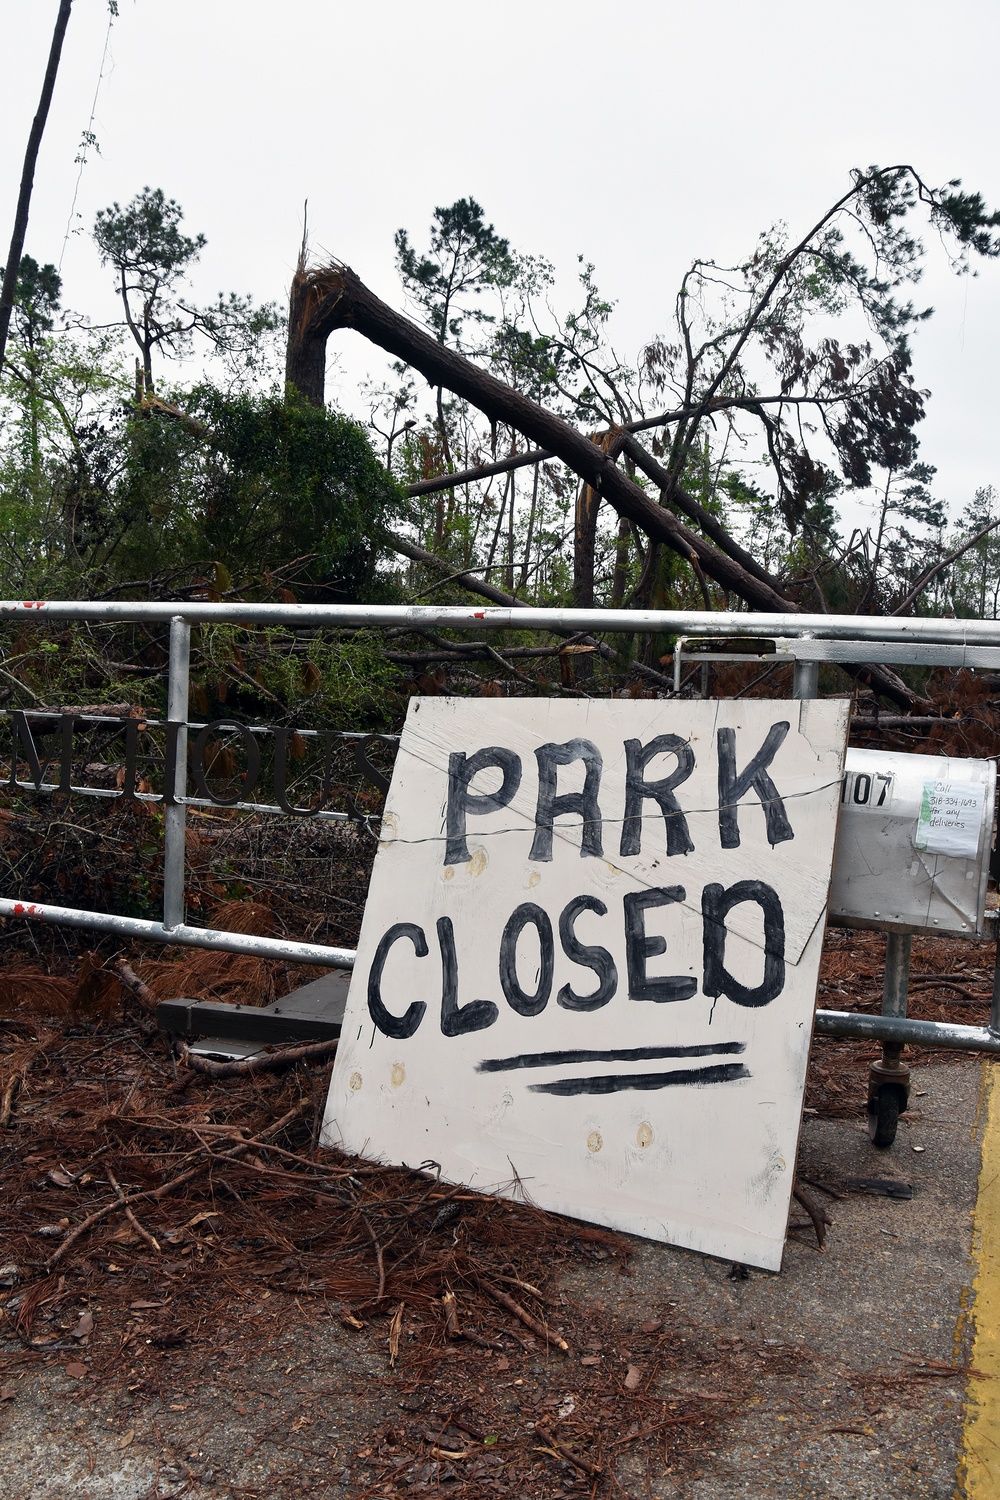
905, 1031
827, 1022
186, 937
379, 616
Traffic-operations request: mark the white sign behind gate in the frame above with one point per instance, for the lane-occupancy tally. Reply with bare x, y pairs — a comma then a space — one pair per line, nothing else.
588, 961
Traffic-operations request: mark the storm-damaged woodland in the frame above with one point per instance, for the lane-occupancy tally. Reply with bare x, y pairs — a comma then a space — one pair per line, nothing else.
507, 441
505, 451
165, 1210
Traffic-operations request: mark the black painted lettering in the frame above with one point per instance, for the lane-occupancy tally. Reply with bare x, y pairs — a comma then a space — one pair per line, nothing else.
405, 1025
598, 959
639, 947
461, 802
550, 806
199, 769
458, 1020
716, 904
517, 998
638, 789
733, 785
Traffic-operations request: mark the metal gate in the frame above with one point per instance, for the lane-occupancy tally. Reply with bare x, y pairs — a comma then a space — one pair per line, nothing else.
804, 641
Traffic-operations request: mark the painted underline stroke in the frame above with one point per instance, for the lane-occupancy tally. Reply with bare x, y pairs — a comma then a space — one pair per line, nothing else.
611, 1054
616, 1083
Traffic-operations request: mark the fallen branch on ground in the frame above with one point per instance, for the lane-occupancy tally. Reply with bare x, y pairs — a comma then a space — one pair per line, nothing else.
264, 1062
143, 1233
153, 1195
521, 1314
24, 1061
816, 1213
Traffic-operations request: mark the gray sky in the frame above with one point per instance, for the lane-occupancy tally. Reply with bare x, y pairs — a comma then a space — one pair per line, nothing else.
641, 135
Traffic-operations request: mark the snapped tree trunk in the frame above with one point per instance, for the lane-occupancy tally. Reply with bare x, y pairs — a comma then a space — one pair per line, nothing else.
305, 351
335, 297
16, 250
584, 546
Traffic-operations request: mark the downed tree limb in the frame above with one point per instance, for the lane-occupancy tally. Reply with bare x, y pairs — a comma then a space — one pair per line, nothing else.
22, 1061
560, 1450
347, 303
816, 1212
142, 998
482, 471
497, 596
675, 494
644, 424
266, 1062
153, 1195
541, 1330
335, 297
143, 1234
931, 574
449, 1306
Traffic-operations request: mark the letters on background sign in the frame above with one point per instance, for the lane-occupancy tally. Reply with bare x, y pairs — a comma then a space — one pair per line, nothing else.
589, 958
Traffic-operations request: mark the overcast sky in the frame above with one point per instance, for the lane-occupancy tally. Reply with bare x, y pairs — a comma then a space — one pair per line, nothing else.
640, 134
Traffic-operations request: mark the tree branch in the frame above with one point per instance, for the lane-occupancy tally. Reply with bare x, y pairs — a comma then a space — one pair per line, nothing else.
497, 596
694, 511
348, 303
945, 562
643, 424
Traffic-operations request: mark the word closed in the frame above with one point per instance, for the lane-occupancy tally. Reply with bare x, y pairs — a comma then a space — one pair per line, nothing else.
588, 959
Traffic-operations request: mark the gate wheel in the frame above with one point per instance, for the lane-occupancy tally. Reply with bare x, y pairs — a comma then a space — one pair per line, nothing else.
884, 1107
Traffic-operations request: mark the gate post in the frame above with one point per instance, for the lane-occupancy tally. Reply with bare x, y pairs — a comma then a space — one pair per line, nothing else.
805, 679
174, 811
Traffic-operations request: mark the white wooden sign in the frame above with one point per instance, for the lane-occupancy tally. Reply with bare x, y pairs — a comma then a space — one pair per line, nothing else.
588, 961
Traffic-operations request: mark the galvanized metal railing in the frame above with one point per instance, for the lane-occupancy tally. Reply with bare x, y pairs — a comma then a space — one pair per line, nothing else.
803, 640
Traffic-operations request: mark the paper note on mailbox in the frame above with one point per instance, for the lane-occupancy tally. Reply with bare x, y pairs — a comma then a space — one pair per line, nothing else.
951, 816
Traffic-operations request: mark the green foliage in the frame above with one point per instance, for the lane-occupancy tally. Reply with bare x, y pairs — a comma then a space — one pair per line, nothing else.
152, 258
143, 240
465, 256
36, 299
242, 484
280, 479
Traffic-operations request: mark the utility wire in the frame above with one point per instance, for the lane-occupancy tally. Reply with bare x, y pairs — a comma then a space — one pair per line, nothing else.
88, 139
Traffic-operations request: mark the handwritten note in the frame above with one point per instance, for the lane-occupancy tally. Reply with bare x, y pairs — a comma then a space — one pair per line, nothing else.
950, 819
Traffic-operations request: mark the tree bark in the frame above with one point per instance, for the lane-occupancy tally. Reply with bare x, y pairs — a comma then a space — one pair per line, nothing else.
481, 471
340, 299
584, 546
305, 351
28, 177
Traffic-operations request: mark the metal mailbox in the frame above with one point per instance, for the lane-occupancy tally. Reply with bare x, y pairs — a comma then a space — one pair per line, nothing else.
913, 843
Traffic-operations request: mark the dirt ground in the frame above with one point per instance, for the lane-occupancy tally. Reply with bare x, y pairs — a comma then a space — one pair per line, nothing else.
262, 1318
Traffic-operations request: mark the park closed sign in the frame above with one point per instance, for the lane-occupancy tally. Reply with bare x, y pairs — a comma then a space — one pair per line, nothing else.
588, 962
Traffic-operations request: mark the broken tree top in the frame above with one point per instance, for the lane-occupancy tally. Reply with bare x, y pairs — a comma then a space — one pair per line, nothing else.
588, 962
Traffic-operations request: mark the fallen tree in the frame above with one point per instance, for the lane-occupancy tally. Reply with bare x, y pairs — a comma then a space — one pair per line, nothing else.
334, 297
